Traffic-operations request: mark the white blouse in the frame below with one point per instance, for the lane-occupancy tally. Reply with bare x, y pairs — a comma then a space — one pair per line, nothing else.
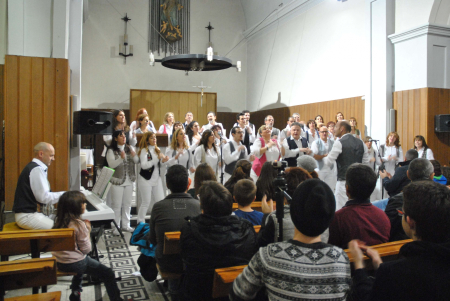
429, 153
147, 164
390, 164
211, 157
272, 154
186, 159
169, 129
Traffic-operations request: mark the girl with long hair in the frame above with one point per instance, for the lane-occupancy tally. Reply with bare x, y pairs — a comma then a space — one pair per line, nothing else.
192, 132
264, 185
355, 132
71, 205
143, 126
135, 124
203, 172
319, 120
120, 124
207, 152
178, 151
167, 127
242, 171
121, 158
339, 116
391, 152
149, 179
420, 145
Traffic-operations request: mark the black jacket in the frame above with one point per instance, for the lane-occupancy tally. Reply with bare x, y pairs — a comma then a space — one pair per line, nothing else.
424, 274
394, 203
208, 243
399, 180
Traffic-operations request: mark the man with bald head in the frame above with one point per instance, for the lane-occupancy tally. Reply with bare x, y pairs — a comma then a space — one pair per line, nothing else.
346, 151
33, 189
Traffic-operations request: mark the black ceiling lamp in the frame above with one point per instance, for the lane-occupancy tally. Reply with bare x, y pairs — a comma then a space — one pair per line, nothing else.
197, 62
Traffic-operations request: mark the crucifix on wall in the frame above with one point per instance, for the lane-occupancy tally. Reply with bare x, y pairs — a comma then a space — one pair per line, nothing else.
202, 88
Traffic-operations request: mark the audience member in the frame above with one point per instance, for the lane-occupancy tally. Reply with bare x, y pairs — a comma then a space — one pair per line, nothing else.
267, 234
423, 273
309, 164
359, 219
418, 170
244, 194
242, 171
204, 172
303, 267
394, 184
169, 215
264, 184
438, 176
213, 239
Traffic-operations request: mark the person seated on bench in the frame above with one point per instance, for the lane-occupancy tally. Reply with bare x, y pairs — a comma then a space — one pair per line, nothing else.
214, 239
423, 273
33, 189
301, 268
71, 206
244, 194
169, 215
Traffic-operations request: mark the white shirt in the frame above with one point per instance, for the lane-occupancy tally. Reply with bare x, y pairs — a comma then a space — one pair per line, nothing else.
169, 129
311, 138
194, 145
211, 157
272, 154
229, 157
251, 137
372, 155
390, 164
430, 155
209, 126
40, 185
315, 151
278, 138
290, 153
134, 126
337, 150
146, 164
186, 159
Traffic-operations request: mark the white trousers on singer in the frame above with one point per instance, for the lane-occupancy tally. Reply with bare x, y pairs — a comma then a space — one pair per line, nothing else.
149, 196
121, 204
328, 177
340, 194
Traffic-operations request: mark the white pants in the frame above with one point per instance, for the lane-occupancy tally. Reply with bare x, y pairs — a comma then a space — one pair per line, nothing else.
149, 196
340, 194
121, 204
226, 177
328, 177
162, 174
33, 221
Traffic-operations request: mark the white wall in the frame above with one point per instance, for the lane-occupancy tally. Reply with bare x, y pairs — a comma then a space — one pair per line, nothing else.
314, 56
411, 13
107, 81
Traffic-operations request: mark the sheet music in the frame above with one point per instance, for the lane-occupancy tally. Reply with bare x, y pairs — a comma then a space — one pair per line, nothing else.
102, 181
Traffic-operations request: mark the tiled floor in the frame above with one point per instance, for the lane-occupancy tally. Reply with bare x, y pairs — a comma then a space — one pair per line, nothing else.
122, 258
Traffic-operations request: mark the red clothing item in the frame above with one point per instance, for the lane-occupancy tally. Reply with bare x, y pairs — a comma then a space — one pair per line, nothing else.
359, 220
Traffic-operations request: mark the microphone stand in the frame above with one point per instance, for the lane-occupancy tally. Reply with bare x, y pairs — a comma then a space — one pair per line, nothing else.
221, 158
378, 174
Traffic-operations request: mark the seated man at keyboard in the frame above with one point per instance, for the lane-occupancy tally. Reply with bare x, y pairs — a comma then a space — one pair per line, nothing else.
33, 189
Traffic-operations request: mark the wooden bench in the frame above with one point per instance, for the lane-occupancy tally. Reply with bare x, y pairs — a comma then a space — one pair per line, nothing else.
224, 277
52, 296
255, 206
172, 241
20, 274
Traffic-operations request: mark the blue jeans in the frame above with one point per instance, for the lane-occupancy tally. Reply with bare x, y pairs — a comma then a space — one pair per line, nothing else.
381, 203
92, 267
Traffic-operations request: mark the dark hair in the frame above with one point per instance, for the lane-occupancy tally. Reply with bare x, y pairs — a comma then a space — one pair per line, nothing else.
338, 114
211, 112
190, 131
69, 209
264, 184
177, 123
244, 192
446, 172
238, 116
203, 173
234, 129
294, 176
246, 111
331, 123
126, 128
397, 139
424, 143
297, 124
114, 146
320, 117
437, 168
309, 122
411, 154
346, 125
177, 178
216, 127
428, 204
420, 169
215, 200
361, 181
242, 171
204, 141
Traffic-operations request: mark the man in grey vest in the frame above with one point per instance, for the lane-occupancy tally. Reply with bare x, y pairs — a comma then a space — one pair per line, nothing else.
320, 149
346, 151
233, 151
33, 189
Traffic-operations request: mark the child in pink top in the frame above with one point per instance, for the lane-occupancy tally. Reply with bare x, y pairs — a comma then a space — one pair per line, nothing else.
71, 206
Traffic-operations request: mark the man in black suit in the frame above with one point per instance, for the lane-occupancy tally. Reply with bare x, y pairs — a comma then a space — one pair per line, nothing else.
394, 184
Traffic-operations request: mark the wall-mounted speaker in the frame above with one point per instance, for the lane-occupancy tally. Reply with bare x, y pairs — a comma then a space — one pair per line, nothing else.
92, 122
442, 123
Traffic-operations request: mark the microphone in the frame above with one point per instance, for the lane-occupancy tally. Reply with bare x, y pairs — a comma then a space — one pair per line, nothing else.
220, 133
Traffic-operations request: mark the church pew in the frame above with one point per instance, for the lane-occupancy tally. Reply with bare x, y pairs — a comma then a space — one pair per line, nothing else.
172, 241
26, 273
52, 296
224, 277
255, 206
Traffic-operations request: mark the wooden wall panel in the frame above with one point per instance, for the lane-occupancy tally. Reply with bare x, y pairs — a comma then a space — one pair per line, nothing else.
158, 103
36, 109
2, 103
415, 116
